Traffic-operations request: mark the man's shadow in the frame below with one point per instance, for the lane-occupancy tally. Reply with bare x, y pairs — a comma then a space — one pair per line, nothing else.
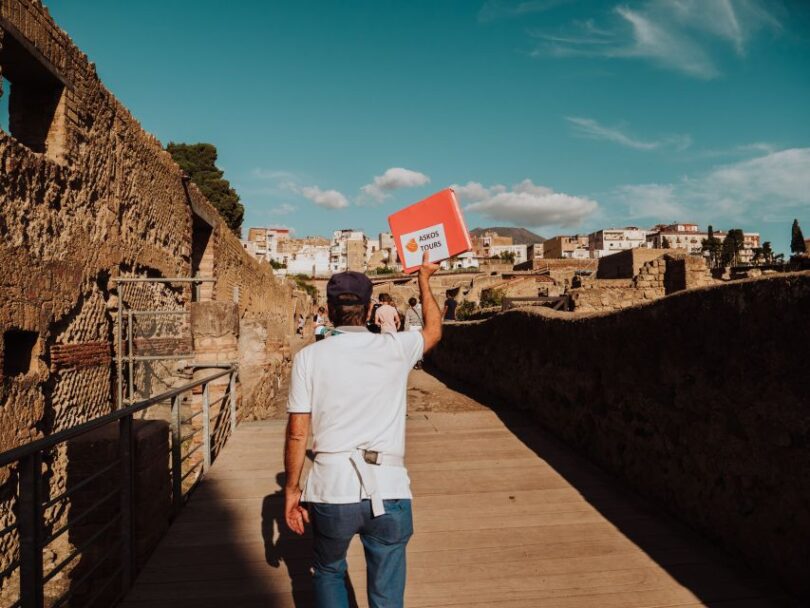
283, 545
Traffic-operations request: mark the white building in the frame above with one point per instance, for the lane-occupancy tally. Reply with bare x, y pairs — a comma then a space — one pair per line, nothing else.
311, 260
677, 236
264, 243
520, 251
461, 261
610, 240
348, 251
690, 238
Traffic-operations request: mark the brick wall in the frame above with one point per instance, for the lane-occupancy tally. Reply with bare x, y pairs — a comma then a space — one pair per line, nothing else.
101, 199
698, 400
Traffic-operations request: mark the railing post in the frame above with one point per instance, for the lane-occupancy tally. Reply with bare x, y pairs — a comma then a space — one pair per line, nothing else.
30, 526
125, 454
232, 399
177, 457
119, 356
206, 425
130, 358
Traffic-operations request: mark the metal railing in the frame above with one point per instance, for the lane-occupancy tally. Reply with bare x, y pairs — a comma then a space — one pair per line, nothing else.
32, 500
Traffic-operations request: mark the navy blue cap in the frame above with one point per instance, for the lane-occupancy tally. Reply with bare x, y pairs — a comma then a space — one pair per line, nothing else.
351, 283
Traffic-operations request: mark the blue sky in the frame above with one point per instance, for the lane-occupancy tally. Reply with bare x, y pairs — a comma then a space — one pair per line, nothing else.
561, 116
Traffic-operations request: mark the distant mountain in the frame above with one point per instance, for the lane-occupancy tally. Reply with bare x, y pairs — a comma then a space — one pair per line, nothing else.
520, 236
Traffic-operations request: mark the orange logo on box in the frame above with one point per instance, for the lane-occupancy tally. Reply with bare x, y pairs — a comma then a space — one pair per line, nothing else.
412, 246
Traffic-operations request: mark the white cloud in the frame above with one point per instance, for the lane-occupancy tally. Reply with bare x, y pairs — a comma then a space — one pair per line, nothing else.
328, 199
673, 34
526, 204
393, 179
587, 127
748, 191
282, 209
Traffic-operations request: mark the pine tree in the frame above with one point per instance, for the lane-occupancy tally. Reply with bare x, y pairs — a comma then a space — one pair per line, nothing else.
732, 245
797, 244
712, 247
199, 162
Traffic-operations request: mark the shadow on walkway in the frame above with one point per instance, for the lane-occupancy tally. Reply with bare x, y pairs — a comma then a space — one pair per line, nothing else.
701, 567
283, 546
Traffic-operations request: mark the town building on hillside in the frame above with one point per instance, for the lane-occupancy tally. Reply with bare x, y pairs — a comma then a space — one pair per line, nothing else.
264, 243
610, 240
383, 253
570, 247
690, 238
519, 251
348, 250
678, 236
483, 243
311, 260
462, 261
535, 251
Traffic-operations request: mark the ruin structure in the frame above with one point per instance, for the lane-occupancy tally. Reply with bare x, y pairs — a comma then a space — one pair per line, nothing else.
88, 198
697, 399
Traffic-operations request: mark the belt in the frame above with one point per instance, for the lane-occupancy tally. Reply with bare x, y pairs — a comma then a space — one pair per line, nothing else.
364, 462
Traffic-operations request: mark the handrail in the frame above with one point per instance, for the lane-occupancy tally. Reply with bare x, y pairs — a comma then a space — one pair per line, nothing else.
37, 445
32, 502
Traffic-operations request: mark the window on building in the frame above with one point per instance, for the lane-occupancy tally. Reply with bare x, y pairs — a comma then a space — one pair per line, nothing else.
19, 350
32, 99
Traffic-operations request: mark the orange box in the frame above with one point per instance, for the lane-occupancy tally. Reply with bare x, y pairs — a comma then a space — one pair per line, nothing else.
434, 224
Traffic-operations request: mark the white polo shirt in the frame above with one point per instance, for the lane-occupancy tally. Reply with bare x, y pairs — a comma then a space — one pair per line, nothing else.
355, 386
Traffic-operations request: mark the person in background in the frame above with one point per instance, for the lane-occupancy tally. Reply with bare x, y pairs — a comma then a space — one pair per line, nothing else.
413, 316
387, 316
450, 304
371, 324
320, 324
413, 321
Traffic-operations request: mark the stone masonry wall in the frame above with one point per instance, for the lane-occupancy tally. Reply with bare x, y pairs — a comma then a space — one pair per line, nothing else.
87, 197
698, 400
655, 278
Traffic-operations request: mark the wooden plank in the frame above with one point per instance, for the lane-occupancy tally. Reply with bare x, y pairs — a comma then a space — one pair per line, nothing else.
502, 530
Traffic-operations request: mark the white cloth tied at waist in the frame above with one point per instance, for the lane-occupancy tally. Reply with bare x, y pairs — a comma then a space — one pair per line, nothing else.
365, 471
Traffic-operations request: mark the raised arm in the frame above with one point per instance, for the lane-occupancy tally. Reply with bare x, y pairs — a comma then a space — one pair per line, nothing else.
432, 316
295, 453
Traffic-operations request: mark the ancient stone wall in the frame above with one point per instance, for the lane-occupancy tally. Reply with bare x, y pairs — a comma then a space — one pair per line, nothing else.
87, 198
698, 400
660, 275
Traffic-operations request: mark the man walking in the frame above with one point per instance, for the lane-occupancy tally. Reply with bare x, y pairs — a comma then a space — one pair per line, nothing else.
350, 391
387, 316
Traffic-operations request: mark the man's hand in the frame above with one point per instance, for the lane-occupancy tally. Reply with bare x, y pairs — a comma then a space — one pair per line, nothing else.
295, 515
295, 449
428, 268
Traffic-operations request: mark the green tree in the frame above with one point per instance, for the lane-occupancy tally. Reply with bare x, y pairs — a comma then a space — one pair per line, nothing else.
492, 297
199, 162
712, 247
767, 252
465, 310
302, 282
732, 245
507, 256
797, 244
665, 244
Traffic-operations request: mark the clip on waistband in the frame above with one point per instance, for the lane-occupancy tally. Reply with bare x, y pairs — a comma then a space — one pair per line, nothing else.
364, 462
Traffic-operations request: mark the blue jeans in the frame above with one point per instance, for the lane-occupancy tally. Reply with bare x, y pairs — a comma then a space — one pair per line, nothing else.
384, 539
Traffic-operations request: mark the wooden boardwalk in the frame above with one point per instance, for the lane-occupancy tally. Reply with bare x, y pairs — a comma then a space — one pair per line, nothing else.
504, 516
